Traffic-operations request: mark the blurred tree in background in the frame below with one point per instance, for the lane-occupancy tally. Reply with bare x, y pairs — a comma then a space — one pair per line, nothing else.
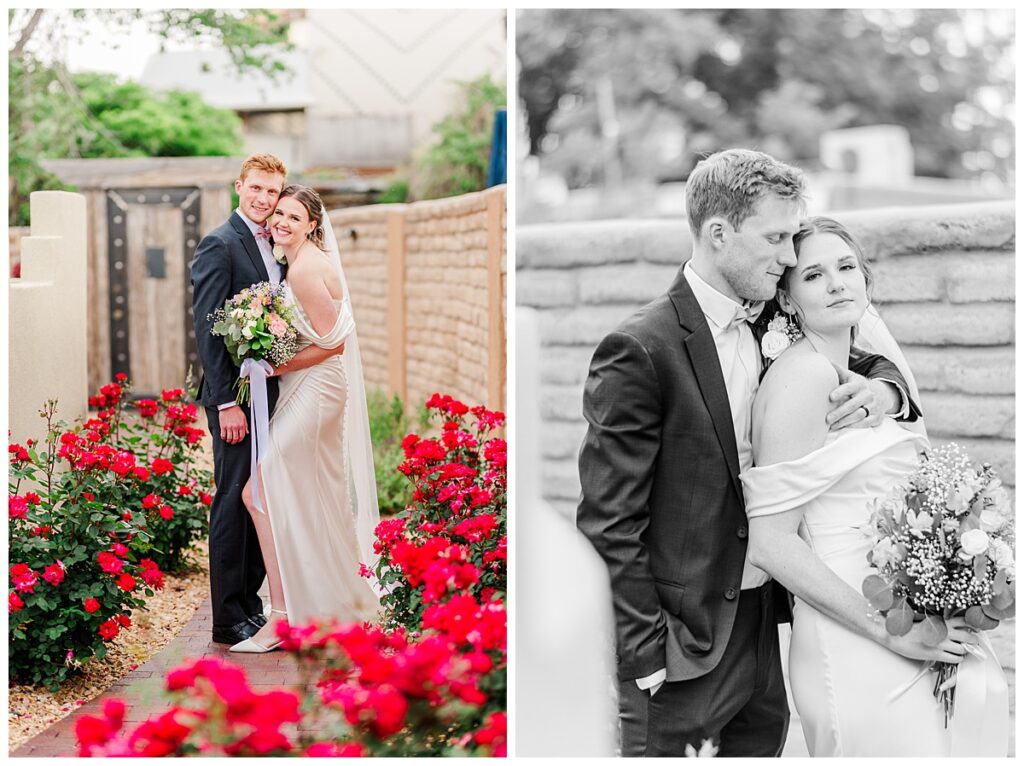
457, 161
53, 113
602, 87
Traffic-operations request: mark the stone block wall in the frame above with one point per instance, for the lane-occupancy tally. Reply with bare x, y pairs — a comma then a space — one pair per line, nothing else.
944, 283
428, 284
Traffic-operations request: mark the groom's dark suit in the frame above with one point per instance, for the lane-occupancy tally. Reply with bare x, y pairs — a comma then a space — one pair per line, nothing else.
663, 505
226, 262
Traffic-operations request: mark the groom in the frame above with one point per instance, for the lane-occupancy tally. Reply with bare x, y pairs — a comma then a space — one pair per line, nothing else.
235, 255
668, 403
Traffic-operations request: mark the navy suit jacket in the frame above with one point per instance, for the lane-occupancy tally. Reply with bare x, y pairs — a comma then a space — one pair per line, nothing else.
226, 262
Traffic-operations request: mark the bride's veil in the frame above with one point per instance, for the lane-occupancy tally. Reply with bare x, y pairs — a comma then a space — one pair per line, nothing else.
358, 447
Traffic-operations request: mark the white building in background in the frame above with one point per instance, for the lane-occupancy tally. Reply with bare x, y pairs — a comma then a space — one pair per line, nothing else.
364, 89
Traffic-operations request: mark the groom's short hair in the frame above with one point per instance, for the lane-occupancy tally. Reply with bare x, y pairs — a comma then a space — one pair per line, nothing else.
729, 183
268, 163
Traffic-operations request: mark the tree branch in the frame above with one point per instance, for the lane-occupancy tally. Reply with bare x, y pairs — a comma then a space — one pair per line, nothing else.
26, 33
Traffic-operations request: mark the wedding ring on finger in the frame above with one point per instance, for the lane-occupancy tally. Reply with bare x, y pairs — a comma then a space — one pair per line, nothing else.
867, 414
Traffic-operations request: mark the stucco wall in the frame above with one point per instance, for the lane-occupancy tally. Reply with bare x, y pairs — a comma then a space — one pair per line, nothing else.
428, 288
944, 283
47, 316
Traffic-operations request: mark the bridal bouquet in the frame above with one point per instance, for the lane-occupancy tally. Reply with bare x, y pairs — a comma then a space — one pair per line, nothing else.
943, 544
256, 324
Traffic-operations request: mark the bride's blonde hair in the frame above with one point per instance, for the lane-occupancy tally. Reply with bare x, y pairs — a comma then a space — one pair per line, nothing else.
310, 200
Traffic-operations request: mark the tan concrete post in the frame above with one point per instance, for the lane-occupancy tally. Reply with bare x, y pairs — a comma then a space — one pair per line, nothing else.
396, 318
48, 315
495, 299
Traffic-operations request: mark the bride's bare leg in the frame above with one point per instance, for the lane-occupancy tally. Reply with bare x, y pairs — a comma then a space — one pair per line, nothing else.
267, 634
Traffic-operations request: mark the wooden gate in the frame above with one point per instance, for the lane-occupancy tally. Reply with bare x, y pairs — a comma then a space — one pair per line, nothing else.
152, 234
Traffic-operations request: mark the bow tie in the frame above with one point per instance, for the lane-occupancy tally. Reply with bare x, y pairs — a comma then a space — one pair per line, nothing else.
262, 233
748, 313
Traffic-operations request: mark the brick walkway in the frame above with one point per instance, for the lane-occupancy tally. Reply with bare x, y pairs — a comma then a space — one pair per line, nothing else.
142, 688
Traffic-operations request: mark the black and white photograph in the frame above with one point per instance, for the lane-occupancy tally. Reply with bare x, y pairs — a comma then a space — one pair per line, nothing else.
765, 382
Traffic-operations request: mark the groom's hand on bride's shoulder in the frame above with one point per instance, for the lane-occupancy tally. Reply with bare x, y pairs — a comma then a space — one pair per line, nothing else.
855, 403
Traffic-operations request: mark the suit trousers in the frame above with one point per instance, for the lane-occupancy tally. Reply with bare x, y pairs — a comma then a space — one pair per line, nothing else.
740, 705
236, 562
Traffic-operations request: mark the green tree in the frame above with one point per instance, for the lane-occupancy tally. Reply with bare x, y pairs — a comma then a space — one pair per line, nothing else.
457, 162
775, 79
54, 114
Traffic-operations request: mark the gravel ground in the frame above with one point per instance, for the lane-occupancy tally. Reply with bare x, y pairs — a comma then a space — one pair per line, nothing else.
32, 709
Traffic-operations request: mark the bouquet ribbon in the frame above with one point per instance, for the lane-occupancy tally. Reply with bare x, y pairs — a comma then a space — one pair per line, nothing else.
981, 705
981, 714
257, 371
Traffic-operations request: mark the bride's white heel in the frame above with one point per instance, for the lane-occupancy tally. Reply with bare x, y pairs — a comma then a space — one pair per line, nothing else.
251, 646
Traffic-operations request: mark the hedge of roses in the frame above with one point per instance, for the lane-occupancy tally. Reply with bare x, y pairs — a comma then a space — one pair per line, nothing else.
429, 680
96, 514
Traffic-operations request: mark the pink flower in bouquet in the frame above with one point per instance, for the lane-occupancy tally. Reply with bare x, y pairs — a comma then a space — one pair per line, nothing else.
278, 327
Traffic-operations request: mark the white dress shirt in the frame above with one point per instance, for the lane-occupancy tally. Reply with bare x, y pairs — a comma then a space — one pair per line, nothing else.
741, 367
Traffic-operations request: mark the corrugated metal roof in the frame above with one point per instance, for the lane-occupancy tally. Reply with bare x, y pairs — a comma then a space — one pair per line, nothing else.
212, 74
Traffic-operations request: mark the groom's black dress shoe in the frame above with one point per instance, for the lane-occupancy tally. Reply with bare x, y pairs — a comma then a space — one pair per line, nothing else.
257, 619
236, 633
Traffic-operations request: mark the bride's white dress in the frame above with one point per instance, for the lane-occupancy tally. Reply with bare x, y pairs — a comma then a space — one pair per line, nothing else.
306, 487
854, 697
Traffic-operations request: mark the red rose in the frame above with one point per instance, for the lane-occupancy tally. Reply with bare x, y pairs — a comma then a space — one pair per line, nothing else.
172, 394
121, 377
161, 466
54, 574
109, 563
166, 512
119, 549
141, 473
184, 490
151, 574
147, 407
124, 620
91, 605
32, 498
108, 630
17, 507
126, 582
205, 498
14, 602
150, 501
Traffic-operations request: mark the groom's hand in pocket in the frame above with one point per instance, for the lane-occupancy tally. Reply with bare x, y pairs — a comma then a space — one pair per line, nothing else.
233, 425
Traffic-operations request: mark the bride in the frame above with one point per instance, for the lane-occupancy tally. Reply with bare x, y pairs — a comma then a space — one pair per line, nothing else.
858, 690
316, 505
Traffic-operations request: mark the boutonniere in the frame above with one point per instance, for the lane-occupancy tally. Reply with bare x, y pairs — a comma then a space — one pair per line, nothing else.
279, 255
781, 334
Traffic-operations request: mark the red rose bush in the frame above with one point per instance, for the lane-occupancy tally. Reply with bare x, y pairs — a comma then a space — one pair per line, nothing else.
87, 538
428, 680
